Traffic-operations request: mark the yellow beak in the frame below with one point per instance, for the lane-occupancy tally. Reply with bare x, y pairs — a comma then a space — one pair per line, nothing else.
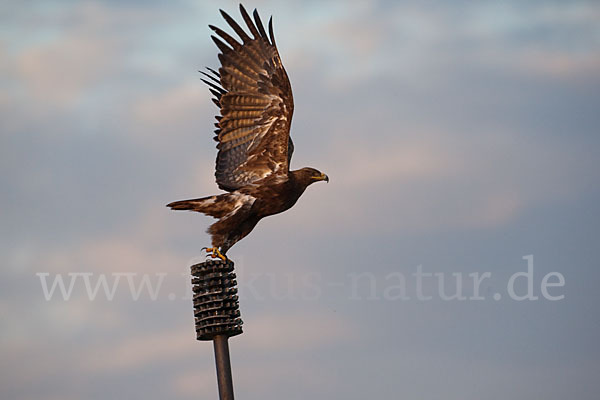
321, 177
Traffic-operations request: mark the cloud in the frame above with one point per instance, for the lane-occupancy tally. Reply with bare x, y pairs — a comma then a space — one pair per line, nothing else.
165, 119
431, 44
135, 249
176, 105
259, 379
80, 49
61, 71
305, 331
549, 63
141, 351
433, 181
191, 382
63, 64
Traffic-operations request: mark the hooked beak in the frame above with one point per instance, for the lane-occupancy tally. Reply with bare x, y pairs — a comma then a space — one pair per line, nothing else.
321, 177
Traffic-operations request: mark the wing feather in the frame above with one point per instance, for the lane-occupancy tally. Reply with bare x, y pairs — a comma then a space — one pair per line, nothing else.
249, 22
259, 24
225, 36
271, 31
213, 86
211, 77
222, 46
255, 99
238, 29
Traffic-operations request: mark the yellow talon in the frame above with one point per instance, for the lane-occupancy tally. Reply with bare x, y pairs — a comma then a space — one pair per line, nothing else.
214, 253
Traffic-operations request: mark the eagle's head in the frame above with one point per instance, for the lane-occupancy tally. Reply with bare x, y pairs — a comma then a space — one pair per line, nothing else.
309, 175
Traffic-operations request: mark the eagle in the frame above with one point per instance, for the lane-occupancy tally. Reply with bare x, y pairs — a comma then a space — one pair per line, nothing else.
254, 95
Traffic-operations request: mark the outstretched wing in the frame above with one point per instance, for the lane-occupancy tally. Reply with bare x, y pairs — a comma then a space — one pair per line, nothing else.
254, 94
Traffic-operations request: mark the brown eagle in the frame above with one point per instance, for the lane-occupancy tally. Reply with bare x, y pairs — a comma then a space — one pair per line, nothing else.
254, 95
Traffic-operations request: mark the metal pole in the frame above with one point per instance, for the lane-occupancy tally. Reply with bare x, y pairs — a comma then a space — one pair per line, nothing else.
224, 378
217, 314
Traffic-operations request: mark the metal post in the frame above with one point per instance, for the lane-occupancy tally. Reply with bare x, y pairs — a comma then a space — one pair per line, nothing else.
224, 378
217, 314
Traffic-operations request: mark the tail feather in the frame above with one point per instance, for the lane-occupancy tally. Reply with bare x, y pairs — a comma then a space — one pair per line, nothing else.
181, 205
215, 206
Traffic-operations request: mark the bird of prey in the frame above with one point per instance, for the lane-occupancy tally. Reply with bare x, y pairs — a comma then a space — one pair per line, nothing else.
254, 95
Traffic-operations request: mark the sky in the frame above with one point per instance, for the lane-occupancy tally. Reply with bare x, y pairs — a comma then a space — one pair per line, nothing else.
461, 141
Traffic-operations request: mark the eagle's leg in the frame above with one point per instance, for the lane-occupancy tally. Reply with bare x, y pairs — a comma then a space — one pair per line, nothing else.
214, 253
